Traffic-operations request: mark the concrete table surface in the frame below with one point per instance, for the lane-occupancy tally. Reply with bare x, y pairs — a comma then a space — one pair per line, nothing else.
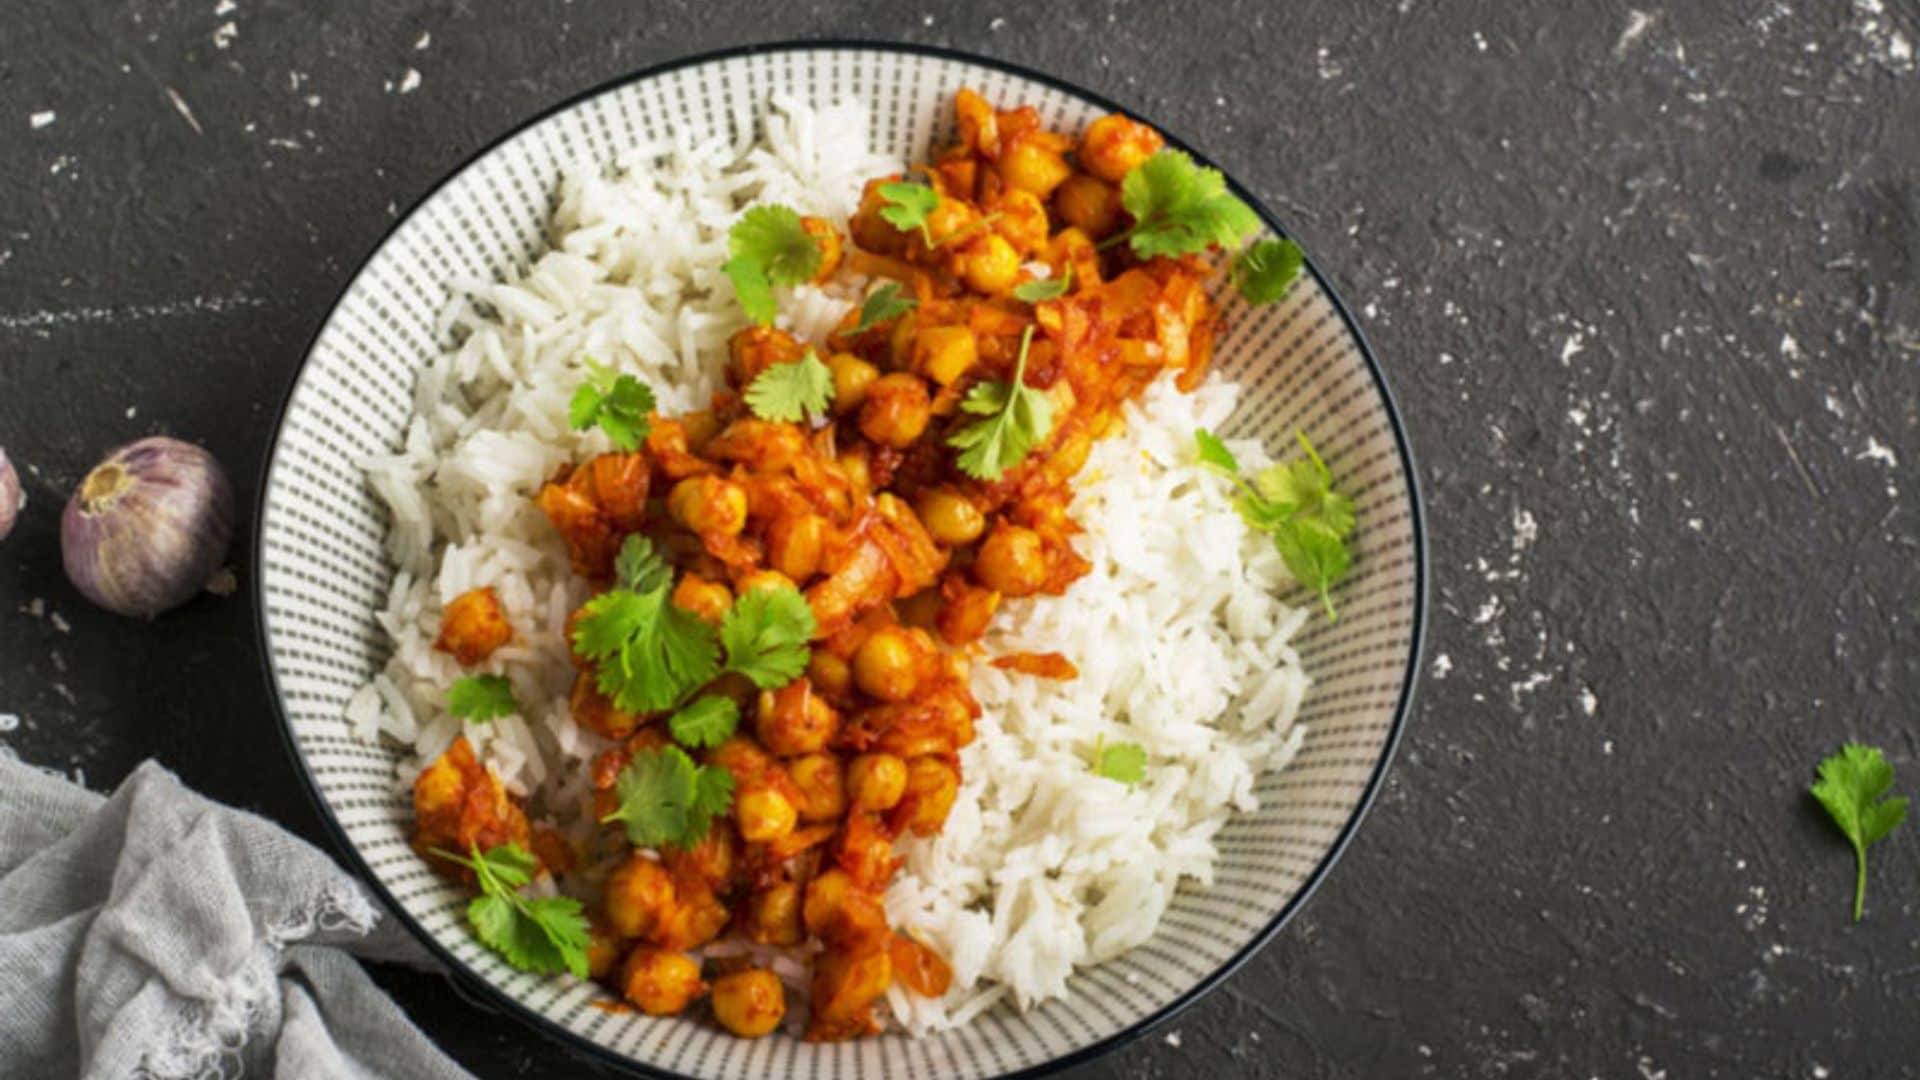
1644, 280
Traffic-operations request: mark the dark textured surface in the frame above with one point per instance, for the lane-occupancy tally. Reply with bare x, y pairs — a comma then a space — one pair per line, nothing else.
1646, 286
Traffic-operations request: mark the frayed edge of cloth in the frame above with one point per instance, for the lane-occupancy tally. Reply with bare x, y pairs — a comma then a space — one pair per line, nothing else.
208, 1039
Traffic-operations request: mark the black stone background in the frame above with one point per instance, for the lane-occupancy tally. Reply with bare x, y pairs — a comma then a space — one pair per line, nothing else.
1645, 285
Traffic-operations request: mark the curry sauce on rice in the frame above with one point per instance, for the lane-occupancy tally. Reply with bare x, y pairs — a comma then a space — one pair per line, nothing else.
808, 584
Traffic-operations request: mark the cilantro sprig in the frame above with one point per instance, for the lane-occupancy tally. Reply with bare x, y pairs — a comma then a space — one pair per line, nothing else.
545, 934
883, 305
664, 798
706, 722
1125, 762
1018, 418
1180, 208
1264, 270
617, 403
908, 205
481, 698
648, 653
769, 246
1044, 289
793, 390
765, 635
1853, 787
650, 656
1293, 503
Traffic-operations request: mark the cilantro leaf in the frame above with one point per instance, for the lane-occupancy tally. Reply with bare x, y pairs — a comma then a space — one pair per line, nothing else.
1853, 786
751, 287
765, 634
1043, 289
769, 246
1295, 504
618, 404
1314, 556
666, 799
884, 304
481, 698
1213, 452
792, 390
1263, 271
648, 654
1125, 762
706, 722
1180, 208
712, 797
541, 934
655, 789
1018, 419
1304, 488
639, 567
908, 206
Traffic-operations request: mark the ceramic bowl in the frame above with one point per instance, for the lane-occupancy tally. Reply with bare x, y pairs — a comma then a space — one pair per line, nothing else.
322, 572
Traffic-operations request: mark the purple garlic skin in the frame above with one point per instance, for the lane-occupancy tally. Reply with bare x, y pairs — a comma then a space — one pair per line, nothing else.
12, 499
147, 527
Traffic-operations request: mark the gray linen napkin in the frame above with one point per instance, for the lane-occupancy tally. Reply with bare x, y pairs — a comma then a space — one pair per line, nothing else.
155, 933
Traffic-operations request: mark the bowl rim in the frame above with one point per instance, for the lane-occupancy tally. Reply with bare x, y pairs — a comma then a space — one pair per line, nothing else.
464, 980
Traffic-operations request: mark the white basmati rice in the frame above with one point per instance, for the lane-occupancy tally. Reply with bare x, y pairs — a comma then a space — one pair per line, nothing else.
1179, 639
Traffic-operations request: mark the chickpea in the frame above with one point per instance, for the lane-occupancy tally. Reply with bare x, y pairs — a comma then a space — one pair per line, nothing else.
1030, 165
638, 895
795, 543
851, 377
473, 624
697, 917
871, 231
596, 712
1012, 561
830, 674
886, 665
749, 1003
827, 894
876, 782
764, 814
764, 579
660, 983
990, 265
950, 517
1022, 220
949, 218
772, 915
794, 720
829, 243
706, 600
603, 951
822, 784
709, 861
897, 410
708, 504
853, 464
932, 785
979, 124
754, 350
1114, 146
1089, 204
944, 353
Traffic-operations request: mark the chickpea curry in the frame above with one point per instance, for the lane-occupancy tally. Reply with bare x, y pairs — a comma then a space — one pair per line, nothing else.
792, 584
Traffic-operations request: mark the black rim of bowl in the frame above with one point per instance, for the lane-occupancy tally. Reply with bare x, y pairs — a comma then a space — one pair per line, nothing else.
457, 969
